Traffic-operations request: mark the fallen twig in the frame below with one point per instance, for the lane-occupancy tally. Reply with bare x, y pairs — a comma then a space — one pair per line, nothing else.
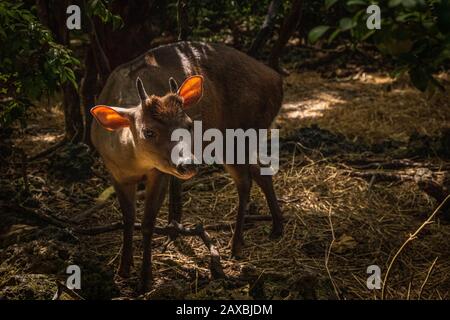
50, 150
86, 213
198, 230
383, 163
327, 256
426, 278
432, 183
62, 288
172, 230
410, 238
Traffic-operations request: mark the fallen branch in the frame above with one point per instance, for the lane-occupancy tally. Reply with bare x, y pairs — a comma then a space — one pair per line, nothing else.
366, 163
50, 150
62, 288
427, 277
165, 231
215, 266
380, 176
438, 192
88, 212
327, 257
172, 230
29, 212
432, 183
410, 238
380, 164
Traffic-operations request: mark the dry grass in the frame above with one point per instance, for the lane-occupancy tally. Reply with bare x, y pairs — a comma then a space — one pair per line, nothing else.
372, 106
336, 224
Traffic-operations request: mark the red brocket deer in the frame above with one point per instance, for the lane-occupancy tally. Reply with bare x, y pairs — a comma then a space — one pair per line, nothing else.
221, 86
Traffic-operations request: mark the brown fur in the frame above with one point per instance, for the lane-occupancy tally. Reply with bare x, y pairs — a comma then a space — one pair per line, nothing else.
165, 108
239, 92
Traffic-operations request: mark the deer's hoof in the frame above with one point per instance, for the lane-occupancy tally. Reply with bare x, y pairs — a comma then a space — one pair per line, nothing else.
126, 262
124, 272
145, 286
276, 233
236, 250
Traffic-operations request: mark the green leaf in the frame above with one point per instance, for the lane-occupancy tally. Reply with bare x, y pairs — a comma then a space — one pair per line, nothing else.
334, 35
106, 194
394, 3
356, 3
117, 22
407, 16
329, 3
398, 71
346, 24
443, 56
31, 64
316, 33
367, 35
409, 3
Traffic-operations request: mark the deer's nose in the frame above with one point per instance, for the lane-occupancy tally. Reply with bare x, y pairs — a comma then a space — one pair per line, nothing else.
185, 168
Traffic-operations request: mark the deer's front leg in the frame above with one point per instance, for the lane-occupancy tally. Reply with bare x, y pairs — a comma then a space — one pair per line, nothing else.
156, 189
126, 193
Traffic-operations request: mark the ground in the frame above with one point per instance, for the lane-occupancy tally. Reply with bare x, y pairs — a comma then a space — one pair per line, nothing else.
337, 222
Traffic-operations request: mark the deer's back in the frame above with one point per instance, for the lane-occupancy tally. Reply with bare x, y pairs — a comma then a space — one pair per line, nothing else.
239, 91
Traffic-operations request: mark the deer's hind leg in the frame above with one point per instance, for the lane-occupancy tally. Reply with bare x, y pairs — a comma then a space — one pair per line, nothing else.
243, 181
266, 184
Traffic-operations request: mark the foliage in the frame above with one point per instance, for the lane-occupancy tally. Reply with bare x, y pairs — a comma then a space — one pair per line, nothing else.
31, 63
99, 8
416, 33
217, 19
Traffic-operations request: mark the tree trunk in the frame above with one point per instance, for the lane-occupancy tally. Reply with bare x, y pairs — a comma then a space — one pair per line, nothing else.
289, 25
72, 114
99, 57
183, 20
57, 24
266, 28
142, 24
110, 48
89, 91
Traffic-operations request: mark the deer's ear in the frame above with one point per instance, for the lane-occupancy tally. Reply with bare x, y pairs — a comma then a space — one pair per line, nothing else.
191, 90
141, 90
173, 85
111, 118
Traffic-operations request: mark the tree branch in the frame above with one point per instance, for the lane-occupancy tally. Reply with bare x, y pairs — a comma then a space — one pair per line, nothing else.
266, 28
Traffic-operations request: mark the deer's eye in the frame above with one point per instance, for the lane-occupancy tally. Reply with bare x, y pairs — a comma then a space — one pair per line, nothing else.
149, 133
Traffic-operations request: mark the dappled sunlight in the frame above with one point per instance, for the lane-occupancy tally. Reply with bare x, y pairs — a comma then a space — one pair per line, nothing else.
372, 107
373, 78
44, 129
47, 138
305, 109
312, 188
